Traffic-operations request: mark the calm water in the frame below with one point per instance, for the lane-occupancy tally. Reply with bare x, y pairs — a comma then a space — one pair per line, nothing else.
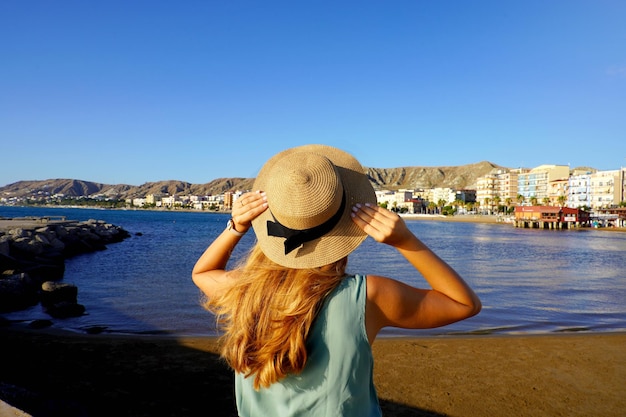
530, 281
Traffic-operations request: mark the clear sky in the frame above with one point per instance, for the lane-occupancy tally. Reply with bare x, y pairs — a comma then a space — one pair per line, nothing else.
140, 91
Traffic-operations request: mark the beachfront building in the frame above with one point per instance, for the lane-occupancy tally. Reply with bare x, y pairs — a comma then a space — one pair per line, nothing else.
614, 217
465, 196
395, 200
533, 185
486, 191
506, 186
170, 201
153, 199
549, 217
385, 197
579, 190
138, 202
499, 188
606, 189
447, 195
405, 201
209, 202
558, 191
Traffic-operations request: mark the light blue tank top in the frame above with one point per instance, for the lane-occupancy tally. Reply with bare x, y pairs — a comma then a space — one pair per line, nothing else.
337, 378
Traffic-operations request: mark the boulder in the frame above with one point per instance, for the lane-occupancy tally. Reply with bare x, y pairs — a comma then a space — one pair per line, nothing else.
57, 292
64, 310
17, 292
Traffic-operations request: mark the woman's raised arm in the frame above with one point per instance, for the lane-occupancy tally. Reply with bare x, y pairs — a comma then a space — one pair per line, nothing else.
209, 272
393, 303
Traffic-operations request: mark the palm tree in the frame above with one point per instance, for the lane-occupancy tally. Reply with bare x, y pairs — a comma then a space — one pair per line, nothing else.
496, 202
561, 200
533, 201
520, 199
546, 201
441, 204
508, 202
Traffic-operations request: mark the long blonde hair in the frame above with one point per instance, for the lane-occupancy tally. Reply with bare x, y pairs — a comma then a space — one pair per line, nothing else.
266, 314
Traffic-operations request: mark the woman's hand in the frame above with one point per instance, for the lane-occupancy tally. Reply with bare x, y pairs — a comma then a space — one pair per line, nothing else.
381, 224
248, 207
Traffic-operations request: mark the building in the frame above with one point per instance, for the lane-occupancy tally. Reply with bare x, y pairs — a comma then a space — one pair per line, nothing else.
534, 184
447, 195
465, 196
606, 189
486, 191
579, 190
558, 192
498, 188
153, 199
506, 186
549, 217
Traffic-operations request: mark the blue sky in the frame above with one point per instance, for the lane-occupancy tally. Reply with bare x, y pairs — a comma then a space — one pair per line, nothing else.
140, 91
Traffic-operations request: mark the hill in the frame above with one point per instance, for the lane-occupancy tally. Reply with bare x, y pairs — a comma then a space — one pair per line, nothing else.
457, 177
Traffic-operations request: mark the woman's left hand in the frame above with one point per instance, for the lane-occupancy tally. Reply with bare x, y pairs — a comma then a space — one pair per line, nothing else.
247, 208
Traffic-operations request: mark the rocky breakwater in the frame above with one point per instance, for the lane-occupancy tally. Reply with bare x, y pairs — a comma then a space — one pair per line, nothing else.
32, 261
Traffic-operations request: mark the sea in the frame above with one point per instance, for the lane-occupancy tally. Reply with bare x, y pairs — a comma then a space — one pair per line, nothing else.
530, 281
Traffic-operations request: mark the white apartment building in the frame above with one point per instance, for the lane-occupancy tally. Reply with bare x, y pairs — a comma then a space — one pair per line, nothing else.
606, 189
170, 201
579, 190
138, 202
446, 194
394, 198
207, 202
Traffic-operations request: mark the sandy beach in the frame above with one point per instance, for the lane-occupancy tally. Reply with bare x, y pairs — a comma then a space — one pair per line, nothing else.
48, 373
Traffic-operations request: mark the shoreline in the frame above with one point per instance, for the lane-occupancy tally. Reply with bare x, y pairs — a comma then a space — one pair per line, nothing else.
471, 376
470, 218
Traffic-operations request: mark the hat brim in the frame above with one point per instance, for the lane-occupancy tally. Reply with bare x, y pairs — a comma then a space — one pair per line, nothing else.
338, 243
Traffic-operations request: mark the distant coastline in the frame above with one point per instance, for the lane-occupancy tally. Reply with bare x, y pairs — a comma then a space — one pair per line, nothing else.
471, 218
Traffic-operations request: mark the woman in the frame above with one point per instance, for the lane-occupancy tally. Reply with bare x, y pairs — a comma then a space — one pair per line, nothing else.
297, 330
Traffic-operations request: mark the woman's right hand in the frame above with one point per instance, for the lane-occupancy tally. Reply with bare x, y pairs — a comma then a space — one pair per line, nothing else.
382, 225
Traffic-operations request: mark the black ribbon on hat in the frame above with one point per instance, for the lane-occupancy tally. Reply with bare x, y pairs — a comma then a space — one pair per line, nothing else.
295, 238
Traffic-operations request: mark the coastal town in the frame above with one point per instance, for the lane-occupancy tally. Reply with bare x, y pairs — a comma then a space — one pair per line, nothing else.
547, 196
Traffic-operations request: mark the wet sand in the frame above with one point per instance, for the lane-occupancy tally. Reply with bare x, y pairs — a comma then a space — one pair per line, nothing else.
103, 375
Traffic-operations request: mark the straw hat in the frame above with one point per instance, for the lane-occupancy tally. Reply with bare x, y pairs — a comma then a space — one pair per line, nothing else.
311, 190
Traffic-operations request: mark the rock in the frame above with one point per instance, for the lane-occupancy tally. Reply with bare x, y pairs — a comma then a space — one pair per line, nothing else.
45, 270
17, 292
64, 310
57, 292
5, 245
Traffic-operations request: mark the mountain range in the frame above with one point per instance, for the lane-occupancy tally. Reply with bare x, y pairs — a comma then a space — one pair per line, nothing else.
456, 177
